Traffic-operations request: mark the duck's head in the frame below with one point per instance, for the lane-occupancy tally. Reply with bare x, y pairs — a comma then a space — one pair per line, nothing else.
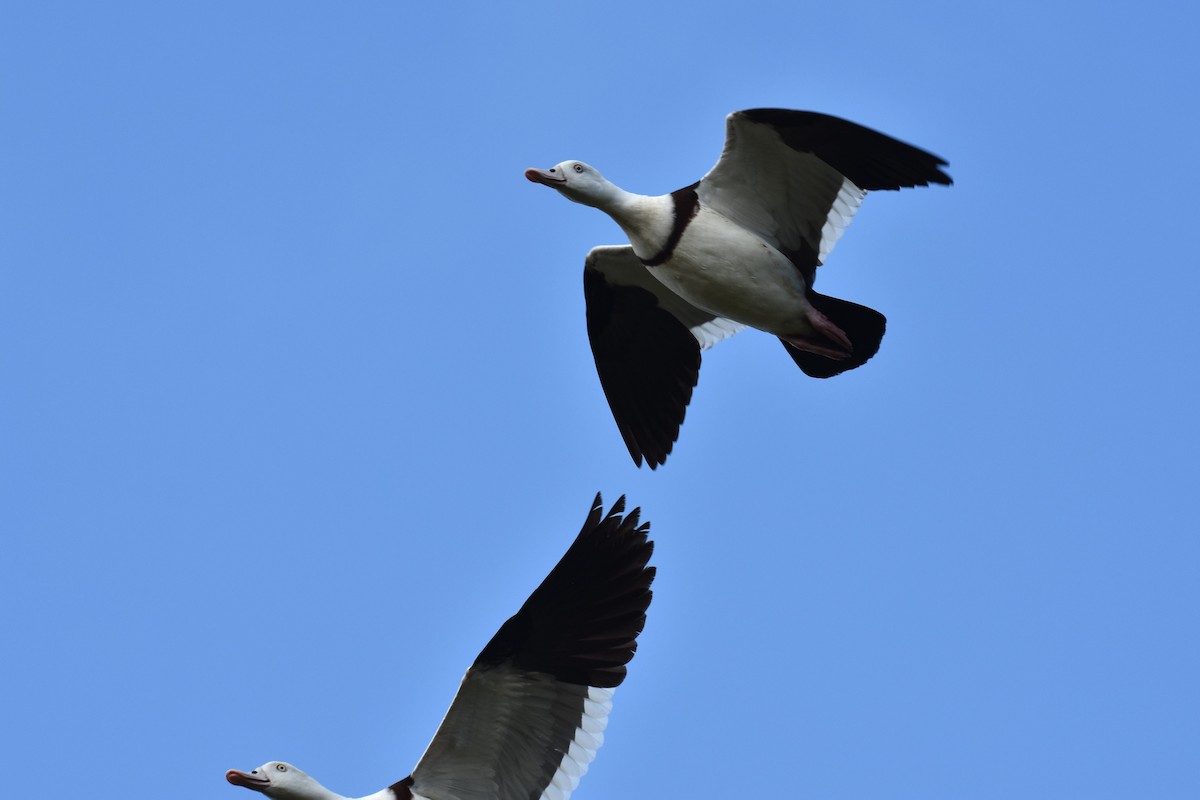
576, 181
280, 780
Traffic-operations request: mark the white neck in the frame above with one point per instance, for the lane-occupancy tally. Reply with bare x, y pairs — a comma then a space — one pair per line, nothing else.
646, 220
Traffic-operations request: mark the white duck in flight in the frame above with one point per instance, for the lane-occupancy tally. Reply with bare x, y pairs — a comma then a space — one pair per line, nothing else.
738, 248
531, 711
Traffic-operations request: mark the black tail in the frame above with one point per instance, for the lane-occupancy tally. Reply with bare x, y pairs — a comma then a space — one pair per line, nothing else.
864, 326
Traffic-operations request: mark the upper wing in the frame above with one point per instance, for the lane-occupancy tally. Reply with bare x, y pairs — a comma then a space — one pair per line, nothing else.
531, 711
646, 341
796, 178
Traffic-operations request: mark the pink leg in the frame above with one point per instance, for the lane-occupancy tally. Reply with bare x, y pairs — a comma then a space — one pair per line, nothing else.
836, 344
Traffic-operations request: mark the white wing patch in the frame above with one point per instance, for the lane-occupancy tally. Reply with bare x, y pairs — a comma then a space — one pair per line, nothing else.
588, 738
713, 331
849, 198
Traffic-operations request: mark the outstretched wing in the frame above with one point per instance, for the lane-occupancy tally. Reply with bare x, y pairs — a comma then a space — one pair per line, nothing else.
796, 178
646, 341
531, 711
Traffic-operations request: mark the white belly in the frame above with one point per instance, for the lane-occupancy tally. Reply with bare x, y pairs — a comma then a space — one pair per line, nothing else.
726, 270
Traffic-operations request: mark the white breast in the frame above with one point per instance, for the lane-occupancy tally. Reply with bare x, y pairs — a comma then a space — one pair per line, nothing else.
723, 268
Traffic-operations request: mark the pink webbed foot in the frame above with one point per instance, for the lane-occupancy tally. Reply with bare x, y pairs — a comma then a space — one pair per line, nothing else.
826, 340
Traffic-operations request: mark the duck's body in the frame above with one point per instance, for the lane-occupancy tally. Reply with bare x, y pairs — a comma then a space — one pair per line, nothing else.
728, 271
738, 248
531, 711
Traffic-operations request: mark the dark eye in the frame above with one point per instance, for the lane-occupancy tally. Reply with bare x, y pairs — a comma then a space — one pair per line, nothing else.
579, 167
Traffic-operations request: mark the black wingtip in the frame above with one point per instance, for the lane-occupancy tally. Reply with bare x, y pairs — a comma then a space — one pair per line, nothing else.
635, 453
651, 454
870, 159
581, 624
940, 176
598, 516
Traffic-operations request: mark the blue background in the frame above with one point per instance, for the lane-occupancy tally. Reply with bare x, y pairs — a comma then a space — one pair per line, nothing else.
298, 406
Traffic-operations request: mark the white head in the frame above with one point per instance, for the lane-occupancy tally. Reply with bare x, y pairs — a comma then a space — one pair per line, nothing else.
576, 181
277, 779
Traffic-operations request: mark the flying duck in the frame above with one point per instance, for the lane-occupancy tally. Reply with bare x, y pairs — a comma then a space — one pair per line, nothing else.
531, 711
737, 249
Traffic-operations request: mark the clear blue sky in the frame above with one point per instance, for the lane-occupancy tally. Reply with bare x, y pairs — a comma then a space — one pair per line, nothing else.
298, 405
